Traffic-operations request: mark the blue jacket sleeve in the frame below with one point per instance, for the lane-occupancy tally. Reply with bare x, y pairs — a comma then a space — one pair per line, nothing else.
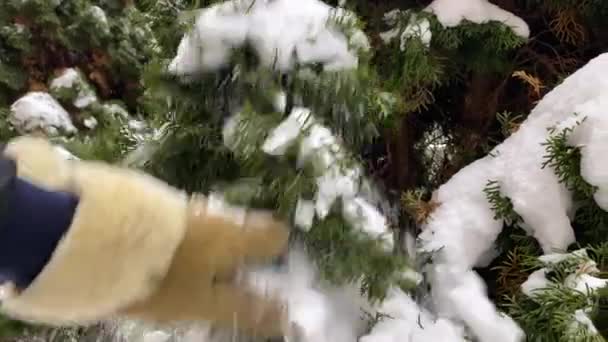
32, 222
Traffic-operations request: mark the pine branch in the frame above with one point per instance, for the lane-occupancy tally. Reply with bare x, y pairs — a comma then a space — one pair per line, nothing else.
564, 159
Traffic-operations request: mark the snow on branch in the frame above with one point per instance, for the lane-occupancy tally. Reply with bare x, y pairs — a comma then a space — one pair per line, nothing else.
578, 273
72, 82
282, 33
416, 28
406, 321
337, 176
40, 111
452, 12
463, 229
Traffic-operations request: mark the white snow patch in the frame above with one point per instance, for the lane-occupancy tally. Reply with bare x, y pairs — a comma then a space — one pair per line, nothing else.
420, 29
283, 135
585, 282
389, 35
359, 41
366, 218
282, 33
280, 101
316, 313
335, 180
412, 276
338, 182
391, 18
67, 79
416, 28
452, 12
116, 110
536, 282
555, 258
230, 131
406, 321
39, 110
592, 136
463, 227
305, 214
460, 295
90, 122
84, 100
581, 318
101, 18
580, 280
71, 78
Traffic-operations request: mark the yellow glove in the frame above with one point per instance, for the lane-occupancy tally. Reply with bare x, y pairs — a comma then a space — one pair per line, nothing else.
138, 248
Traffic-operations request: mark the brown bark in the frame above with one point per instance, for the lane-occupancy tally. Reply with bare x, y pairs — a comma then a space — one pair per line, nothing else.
402, 155
480, 102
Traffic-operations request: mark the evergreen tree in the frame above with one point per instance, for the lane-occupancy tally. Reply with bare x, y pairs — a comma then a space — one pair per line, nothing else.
347, 136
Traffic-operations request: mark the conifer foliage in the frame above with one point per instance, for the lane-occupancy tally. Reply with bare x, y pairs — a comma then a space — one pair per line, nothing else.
353, 120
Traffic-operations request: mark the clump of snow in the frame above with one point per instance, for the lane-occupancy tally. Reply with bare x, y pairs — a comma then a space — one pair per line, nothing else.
554, 258
585, 282
391, 18
305, 214
359, 41
406, 321
460, 295
590, 136
419, 28
316, 313
116, 111
412, 276
40, 111
100, 18
464, 225
581, 279
582, 319
463, 228
72, 79
451, 13
90, 122
280, 101
284, 135
335, 179
537, 281
282, 33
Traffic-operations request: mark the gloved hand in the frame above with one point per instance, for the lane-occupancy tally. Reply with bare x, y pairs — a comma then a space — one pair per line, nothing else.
134, 247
